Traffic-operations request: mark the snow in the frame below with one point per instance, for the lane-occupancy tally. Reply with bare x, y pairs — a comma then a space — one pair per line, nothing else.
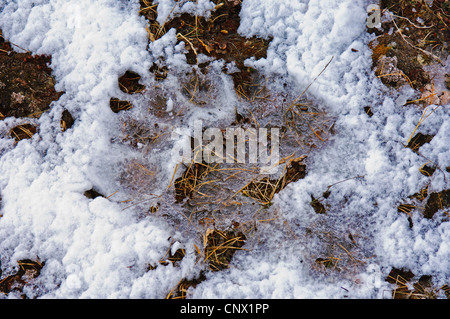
94, 248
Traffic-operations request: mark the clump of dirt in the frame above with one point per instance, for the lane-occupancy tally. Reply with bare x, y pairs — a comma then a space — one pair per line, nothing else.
160, 71
426, 26
92, 193
221, 246
180, 291
428, 203
368, 111
149, 11
398, 66
129, 83
28, 271
119, 105
23, 131
264, 189
169, 257
26, 88
436, 202
427, 170
219, 249
188, 183
318, 206
66, 121
406, 288
420, 195
217, 36
419, 140
26, 84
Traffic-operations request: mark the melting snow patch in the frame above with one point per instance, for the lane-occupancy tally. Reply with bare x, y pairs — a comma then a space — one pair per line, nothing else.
101, 248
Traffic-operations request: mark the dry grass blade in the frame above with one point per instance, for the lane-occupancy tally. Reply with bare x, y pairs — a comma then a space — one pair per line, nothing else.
401, 73
421, 120
412, 45
220, 247
309, 85
181, 289
23, 131
265, 189
159, 33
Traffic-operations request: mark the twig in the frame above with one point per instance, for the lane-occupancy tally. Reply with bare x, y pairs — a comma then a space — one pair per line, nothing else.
304, 91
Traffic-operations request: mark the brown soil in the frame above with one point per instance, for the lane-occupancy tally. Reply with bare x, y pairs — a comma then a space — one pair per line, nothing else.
23, 131
92, 193
26, 84
419, 140
28, 270
403, 48
428, 203
119, 105
264, 189
436, 202
403, 59
221, 246
180, 291
219, 249
317, 205
422, 288
215, 37
129, 83
66, 121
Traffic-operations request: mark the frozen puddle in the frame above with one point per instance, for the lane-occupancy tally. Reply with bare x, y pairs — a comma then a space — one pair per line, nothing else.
334, 230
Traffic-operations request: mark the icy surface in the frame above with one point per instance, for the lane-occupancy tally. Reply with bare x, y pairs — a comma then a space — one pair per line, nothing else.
93, 248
